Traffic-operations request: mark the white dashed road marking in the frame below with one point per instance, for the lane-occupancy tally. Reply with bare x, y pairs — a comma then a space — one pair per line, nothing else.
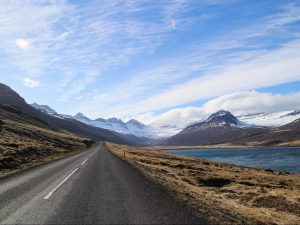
61, 183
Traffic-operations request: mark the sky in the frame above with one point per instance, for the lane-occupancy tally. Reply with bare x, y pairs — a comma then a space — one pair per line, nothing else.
156, 61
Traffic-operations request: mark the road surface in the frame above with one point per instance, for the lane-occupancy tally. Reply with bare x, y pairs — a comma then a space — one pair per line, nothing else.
93, 187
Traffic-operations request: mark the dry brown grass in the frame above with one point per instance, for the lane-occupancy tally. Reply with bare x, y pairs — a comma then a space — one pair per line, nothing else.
225, 193
26, 142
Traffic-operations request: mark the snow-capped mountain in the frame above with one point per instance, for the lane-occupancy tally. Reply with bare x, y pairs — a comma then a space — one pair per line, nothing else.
271, 119
220, 127
223, 118
132, 127
220, 119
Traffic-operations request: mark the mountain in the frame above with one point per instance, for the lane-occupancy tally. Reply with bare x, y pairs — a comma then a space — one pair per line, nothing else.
168, 128
10, 97
221, 118
220, 127
132, 127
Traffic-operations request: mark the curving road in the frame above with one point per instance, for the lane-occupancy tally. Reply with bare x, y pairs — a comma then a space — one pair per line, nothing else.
93, 187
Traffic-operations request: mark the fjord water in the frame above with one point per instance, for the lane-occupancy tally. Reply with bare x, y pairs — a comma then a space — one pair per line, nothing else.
275, 158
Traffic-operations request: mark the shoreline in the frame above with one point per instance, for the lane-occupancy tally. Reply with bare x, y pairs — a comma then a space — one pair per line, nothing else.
204, 147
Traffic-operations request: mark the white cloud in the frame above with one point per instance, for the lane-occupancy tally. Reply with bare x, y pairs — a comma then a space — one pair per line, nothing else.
31, 83
254, 102
22, 43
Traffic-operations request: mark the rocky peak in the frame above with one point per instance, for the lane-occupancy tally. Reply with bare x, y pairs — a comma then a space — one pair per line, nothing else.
222, 117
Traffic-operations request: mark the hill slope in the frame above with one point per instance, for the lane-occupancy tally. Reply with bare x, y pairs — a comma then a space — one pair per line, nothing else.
287, 135
26, 141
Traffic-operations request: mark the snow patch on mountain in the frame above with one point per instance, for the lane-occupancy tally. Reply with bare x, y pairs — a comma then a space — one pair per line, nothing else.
272, 119
48, 110
223, 118
44, 109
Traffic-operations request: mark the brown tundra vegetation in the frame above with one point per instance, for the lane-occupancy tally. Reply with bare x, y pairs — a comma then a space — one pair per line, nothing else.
224, 193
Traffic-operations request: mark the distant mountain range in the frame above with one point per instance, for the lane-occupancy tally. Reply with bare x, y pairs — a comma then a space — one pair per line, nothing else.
132, 127
220, 127
157, 131
224, 128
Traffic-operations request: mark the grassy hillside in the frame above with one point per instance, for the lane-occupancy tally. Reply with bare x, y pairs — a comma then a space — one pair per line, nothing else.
26, 141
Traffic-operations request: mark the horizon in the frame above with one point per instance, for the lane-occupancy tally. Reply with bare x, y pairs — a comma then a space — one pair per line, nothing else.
153, 62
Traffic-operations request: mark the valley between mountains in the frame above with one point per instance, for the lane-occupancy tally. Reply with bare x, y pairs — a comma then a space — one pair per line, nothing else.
52, 166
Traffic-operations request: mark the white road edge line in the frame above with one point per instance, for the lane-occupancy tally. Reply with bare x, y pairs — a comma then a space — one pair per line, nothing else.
61, 183
84, 161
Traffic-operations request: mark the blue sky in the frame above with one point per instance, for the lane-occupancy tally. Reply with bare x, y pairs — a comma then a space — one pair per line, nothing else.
142, 58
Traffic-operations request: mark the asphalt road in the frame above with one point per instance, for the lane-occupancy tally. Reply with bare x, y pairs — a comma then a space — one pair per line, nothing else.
93, 187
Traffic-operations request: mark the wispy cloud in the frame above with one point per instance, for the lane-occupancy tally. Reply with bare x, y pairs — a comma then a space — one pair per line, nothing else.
31, 83
92, 37
114, 33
